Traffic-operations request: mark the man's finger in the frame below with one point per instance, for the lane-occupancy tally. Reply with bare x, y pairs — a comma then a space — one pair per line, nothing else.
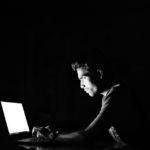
40, 136
35, 130
51, 135
48, 128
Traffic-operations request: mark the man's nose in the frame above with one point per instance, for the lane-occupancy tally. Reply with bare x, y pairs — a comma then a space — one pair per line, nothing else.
82, 85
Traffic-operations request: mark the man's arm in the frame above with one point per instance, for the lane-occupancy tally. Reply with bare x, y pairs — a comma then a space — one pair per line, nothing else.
70, 137
101, 122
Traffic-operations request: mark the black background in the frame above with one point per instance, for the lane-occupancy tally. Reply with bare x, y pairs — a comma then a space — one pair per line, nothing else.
37, 38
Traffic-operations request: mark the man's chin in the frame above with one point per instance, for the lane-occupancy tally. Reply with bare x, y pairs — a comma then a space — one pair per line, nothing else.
94, 94
91, 94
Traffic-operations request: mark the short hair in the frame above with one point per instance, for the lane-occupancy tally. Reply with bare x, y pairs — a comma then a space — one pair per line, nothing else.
76, 65
92, 59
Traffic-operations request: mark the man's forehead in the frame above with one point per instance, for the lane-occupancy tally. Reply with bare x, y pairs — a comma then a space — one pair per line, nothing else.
81, 72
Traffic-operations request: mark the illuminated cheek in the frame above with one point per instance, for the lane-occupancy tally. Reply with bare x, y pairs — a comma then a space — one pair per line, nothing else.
88, 84
93, 88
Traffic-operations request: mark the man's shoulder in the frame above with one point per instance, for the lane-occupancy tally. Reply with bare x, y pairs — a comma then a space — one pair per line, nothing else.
119, 91
120, 88
107, 99
113, 90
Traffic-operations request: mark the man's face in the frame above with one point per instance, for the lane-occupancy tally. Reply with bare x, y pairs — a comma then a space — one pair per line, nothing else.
86, 83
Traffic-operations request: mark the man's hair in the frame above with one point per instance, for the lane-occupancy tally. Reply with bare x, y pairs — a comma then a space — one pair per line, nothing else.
90, 59
93, 60
76, 65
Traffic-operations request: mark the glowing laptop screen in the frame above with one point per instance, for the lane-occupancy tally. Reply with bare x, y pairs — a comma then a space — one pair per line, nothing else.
15, 117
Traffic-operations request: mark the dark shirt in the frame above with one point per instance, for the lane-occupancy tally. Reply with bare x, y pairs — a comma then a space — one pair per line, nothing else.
120, 116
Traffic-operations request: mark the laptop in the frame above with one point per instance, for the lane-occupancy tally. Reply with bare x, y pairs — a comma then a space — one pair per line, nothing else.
17, 124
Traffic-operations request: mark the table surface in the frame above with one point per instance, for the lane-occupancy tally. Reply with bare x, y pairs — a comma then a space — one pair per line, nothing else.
7, 145
55, 147
13, 146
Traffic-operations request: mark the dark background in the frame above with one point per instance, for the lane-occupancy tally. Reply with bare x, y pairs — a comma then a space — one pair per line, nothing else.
38, 38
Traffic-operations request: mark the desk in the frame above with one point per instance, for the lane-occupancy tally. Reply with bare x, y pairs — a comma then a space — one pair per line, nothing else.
85, 146
7, 145
25, 147
28, 147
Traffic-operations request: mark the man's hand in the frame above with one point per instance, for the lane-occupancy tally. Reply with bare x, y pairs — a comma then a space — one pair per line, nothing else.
41, 133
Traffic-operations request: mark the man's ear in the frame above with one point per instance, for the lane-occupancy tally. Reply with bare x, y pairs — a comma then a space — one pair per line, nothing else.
100, 72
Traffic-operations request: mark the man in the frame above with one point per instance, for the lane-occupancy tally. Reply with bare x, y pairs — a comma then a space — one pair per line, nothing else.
119, 119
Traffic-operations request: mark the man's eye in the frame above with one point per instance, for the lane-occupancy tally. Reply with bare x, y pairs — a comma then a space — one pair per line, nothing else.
84, 77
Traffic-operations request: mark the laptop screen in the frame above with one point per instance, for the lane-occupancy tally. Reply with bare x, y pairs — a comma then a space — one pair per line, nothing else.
15, 117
